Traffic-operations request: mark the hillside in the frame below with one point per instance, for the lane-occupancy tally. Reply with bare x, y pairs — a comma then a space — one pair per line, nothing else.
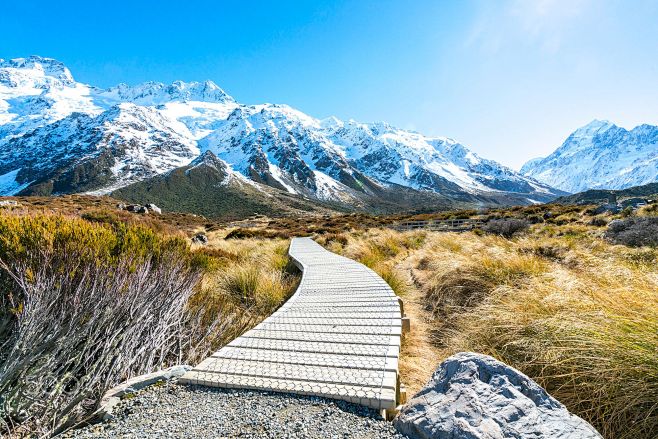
210, 188
594, 196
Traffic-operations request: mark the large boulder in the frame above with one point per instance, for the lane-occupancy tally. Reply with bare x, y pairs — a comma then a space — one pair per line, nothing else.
476, 397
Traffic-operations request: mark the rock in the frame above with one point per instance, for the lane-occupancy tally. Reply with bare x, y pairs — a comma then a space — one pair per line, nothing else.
200, 238
153, 208
475, 396
616, 226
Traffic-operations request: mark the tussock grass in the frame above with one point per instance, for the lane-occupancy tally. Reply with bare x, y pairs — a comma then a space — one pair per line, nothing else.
562, 304
379, 250
248, 280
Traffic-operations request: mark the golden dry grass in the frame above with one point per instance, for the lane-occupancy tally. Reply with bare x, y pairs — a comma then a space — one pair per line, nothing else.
577, 314
248, 280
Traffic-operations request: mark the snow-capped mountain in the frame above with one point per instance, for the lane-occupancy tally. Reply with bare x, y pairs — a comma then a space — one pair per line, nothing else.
600, 155
82, 152
60, 136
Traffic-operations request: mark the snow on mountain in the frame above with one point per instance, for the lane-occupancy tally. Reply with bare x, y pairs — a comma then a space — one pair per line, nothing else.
37, 91
58, 135
414, 160
282, 147
154, 93
80, 152
600, 155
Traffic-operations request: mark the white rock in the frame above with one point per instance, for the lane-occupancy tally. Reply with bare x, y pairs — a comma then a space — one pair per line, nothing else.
475, 396
153, 208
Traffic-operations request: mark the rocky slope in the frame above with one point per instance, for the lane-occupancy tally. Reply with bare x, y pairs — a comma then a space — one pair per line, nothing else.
600, 155
209, 187
598, 196
59, 136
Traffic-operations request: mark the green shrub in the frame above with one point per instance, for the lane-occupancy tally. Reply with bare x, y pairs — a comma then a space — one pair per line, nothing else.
84, 306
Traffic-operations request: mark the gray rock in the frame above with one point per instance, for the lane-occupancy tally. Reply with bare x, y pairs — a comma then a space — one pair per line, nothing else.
607, 208
475, 396
200, 238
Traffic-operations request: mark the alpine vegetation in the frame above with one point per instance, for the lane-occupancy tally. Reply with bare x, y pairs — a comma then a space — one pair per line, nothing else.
88, 305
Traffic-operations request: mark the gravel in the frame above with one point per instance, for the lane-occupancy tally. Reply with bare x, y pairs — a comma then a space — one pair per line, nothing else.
170, 410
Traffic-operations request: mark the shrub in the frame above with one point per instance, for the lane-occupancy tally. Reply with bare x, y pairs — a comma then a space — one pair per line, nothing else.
88, 303
507, 227
634, 231
86, 306
598, 221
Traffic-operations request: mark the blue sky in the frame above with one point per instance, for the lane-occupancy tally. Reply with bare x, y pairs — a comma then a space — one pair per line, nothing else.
510, 79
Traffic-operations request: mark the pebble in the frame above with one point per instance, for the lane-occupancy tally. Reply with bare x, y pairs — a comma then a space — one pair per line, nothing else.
172, 410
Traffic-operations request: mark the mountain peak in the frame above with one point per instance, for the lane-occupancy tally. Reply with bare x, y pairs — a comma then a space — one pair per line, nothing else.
600, 155
207, 158
36, 68
595, 126
206, 91
156, 93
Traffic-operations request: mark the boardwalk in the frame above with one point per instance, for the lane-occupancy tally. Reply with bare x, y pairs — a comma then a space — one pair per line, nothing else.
338, 336
451, 225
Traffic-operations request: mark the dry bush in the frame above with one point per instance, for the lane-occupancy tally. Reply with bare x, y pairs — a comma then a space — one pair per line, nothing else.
634, 232
506, 227
86, 305
598, 221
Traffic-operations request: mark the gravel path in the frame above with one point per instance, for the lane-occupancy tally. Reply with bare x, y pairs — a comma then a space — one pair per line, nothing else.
176, 411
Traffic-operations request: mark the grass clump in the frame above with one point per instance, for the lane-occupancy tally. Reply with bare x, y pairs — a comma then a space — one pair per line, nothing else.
560, 303
379, 250
506, 227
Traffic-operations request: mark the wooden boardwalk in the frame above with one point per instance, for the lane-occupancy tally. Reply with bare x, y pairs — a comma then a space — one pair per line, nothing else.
338, 337
451, 225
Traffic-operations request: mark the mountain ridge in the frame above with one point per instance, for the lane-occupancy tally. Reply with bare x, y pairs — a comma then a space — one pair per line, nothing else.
600, 155
100, 140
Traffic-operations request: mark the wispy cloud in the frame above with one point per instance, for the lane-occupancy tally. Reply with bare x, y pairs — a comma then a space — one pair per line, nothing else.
540, 23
